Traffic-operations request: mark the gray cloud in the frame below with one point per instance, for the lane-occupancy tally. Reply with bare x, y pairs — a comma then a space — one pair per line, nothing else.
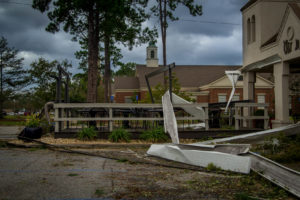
187, 42
24, 28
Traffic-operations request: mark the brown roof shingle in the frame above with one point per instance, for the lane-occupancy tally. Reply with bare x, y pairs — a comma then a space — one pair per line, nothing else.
125, 82
248, 4
295, 8
188, 75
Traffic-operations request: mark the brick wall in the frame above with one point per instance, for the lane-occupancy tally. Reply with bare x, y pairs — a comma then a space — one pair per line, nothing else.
143, 94
269, 97
120, 96
214, 92
202, 99
212, 97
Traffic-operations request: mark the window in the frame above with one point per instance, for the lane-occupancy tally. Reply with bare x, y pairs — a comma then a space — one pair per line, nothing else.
236, 97
152, 54
248, 31
221, 98
253, 29
128, 99
261, 98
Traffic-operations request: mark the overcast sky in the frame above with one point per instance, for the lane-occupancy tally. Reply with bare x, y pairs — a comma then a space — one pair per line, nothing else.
215, 38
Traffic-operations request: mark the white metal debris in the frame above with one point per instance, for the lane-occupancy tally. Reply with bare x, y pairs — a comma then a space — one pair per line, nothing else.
257, 136
203, 158
233, 76
196, 112
170, 123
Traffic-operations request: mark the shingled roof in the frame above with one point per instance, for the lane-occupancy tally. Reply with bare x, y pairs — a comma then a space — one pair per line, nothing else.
126, 82
189, 76
248, 4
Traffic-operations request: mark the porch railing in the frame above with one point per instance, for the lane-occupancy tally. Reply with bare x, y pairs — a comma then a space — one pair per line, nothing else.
244, 114
63, 113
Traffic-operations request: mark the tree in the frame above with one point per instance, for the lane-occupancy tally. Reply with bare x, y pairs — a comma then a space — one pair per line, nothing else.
13, 76
81, 19
122, 23
159, 90
127, 69
42, 73
164, 11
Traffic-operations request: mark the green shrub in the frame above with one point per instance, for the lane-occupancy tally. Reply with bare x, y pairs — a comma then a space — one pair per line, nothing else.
88, 133
212, 167
33, 121
119, 135
154, 135
282, 148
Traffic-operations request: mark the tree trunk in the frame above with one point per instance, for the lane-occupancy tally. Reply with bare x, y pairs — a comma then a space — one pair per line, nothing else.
107, 73
163, 27
1, 88
164, 35
93, 41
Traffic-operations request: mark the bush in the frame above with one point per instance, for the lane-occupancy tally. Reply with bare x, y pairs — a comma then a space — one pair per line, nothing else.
154, 135
212, 167
33, 122
119, 135
281, 148
87, 133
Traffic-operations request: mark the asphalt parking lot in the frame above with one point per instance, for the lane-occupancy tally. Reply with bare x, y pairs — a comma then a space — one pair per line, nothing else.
36, 173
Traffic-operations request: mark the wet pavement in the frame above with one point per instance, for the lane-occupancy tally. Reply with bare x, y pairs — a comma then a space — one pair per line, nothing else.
36, 173
10, 132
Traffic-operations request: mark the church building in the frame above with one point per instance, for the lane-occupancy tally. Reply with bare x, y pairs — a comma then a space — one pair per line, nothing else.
271, 44
204, 83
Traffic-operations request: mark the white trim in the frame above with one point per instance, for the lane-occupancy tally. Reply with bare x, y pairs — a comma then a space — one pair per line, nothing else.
127, 90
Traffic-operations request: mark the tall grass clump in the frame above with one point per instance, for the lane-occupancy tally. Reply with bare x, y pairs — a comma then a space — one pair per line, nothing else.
88, 133
33, 121
119, 135
154, 135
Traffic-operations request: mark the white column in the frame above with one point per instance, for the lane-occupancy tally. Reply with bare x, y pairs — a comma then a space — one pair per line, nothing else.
281, 77
249, 88
249, 79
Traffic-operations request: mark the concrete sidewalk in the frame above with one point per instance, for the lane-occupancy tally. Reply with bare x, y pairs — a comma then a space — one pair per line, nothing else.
10, 132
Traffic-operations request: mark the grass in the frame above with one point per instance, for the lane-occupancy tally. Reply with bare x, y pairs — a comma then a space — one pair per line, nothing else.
280, 148
3, 144
12, 123
212, 167
122, 160
99, 192
36, 148
73, 174
119, 135
244, 196
88, 133
154, 135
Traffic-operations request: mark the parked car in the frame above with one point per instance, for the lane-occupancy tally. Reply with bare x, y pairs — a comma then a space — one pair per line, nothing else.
11, 113
4, 113
21, 113
26, 113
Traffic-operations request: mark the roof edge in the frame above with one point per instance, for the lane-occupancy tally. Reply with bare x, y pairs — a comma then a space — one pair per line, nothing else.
248, 4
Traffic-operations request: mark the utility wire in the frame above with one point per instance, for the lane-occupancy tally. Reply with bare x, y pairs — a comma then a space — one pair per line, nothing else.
18, 3
187, 20
210, 22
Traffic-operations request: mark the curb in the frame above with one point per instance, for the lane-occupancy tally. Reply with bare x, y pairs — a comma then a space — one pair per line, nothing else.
82, 146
